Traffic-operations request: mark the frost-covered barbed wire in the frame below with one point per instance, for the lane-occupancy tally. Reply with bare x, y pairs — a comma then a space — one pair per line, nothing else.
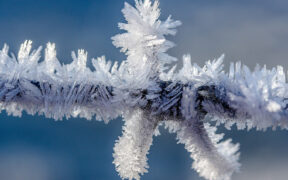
147, 96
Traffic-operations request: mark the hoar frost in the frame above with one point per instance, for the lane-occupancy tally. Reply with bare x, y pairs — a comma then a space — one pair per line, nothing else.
147, 94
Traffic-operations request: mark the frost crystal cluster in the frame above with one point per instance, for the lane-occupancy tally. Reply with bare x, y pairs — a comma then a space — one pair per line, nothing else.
191, 102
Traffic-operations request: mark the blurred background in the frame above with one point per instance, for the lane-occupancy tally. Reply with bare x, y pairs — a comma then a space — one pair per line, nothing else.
36, 148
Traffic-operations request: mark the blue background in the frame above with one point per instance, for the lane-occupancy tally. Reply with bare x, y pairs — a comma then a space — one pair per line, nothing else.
36, 148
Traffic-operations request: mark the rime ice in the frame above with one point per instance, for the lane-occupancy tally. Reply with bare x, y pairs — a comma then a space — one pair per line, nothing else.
147, 94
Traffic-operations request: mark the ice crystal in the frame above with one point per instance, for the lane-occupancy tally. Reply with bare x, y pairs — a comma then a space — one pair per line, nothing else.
147, 94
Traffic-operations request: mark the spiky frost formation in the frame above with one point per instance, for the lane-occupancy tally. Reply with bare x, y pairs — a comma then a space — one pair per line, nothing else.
130, 157
214, 159
53, 89
144, 42
146, 96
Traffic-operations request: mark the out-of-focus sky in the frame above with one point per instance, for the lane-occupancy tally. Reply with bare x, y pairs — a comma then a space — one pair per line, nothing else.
35, 148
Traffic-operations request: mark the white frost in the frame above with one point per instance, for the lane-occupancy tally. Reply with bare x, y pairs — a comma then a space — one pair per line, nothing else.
146, 95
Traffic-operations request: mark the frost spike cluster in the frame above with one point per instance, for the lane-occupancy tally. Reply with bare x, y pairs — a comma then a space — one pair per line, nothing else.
141, 90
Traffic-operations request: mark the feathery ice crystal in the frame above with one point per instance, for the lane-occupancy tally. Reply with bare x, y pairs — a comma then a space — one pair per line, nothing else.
146, 95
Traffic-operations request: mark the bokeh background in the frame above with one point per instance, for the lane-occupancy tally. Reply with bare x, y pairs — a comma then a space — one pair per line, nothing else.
36, 148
